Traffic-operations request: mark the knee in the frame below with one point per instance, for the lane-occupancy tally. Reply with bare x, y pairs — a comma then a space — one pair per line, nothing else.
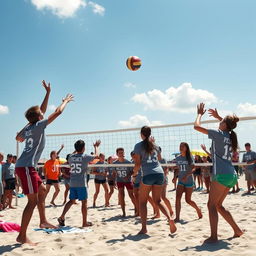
57, 190
157, 202
211, 206
43, 190
188, 201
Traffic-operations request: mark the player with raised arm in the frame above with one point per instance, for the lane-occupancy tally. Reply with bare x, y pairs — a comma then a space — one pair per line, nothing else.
34, 136
78, 179
224, 143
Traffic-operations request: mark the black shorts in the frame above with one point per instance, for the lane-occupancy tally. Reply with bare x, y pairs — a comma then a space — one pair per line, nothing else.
10, 184
236, 169
51, 182
197, 172
100, 181
111, 183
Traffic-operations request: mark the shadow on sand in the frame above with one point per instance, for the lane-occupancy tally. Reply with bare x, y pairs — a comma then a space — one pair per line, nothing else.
130, 237
8, 248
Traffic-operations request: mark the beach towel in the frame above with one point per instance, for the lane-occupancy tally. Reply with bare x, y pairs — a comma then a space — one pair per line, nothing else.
62, 230
9, 226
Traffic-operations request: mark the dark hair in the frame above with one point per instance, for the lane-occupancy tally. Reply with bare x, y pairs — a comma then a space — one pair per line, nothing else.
247, 144
33, 114
53, 152
132, 153
188, 153
79, 145
231, 122
101, 154
119, 149
148, 145
9, 155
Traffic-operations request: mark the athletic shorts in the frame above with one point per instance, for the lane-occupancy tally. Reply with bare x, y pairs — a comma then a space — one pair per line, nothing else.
10, 184
197, 172
78, 193
51, 182
96, 181
29, 178
111, 182
128, 185
136, 185
153, 179
186, 185
250, 175
227, 180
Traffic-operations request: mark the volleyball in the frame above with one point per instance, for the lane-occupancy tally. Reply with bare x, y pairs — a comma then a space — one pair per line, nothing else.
133, 63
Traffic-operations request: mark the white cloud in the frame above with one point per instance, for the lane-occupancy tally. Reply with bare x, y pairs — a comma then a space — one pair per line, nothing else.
130, 85
138, 121
246, 109
97, 9
182, 99
4, 110
61, 8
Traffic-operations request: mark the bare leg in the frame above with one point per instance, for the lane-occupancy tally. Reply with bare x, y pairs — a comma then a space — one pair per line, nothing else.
166, 200
111, 188
66, 193
155, 208
188, 194
41, 208
9, 194
131, 195
66, 208
105, 186
179, 192
57, 191
97, 190
143, 198
136, 192
121, 198
156, 193
26, 217
84, 212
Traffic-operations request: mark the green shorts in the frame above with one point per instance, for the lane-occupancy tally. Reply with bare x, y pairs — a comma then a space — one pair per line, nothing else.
227, 180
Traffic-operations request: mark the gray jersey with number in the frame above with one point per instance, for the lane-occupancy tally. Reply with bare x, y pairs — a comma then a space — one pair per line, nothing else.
184, 168
8, 171
78, 169
149, 162
221, 152
100, 170
249, 156
34, 144
123, 174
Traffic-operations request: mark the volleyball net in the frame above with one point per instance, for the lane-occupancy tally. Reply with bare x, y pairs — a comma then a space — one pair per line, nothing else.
168, 137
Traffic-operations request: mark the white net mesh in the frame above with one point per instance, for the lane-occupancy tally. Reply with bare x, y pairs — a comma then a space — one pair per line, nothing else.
167, 136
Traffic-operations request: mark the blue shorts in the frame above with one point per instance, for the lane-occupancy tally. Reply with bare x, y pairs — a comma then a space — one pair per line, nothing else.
78, 193
154, 179
186, 185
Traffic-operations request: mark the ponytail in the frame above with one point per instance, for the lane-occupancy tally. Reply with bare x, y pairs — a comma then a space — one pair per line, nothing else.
231, 122
148, 145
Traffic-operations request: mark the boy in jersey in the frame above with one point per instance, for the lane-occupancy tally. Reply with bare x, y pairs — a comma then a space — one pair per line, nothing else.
124, 179
34, 136
78, 175
9, 181
250, 170
52, 174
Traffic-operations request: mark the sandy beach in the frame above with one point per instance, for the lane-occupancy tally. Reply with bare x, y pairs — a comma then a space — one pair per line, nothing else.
115, 236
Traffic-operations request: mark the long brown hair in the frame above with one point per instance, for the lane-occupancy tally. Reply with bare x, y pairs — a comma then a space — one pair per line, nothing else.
188, 153
231, 122
148, 145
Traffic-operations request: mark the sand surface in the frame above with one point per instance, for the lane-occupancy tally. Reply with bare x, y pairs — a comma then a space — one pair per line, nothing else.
115, 236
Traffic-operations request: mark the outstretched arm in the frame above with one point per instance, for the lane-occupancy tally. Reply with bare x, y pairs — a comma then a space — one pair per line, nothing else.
44, 104
19, 137
60, 109
214, 113
96, 148
205, 150
200, 112
62, 146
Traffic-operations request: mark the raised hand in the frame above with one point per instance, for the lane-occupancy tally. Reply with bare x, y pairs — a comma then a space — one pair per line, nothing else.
214, 113
97, 143
200, 109
203, 147
68, 98
46, 86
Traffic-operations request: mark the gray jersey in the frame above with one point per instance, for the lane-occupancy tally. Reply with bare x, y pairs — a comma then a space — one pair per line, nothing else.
149, 162
250, 156
184, 168
8, 171
100, 170
0, 174
221, 152
123, 174
78, 169
34, 144
110, 175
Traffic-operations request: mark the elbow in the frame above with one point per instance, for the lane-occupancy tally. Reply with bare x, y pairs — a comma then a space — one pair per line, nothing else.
196, 127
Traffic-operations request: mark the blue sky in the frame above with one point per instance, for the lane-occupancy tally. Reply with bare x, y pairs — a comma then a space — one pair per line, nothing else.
205, 50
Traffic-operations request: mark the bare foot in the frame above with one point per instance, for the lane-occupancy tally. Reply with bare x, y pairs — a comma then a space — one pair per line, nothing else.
143, 231
94, 205
88, 224
25, 240
176, 220
200, 215
173, 227
52, 203
238, 233
211, 240
47, 225
11, 207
